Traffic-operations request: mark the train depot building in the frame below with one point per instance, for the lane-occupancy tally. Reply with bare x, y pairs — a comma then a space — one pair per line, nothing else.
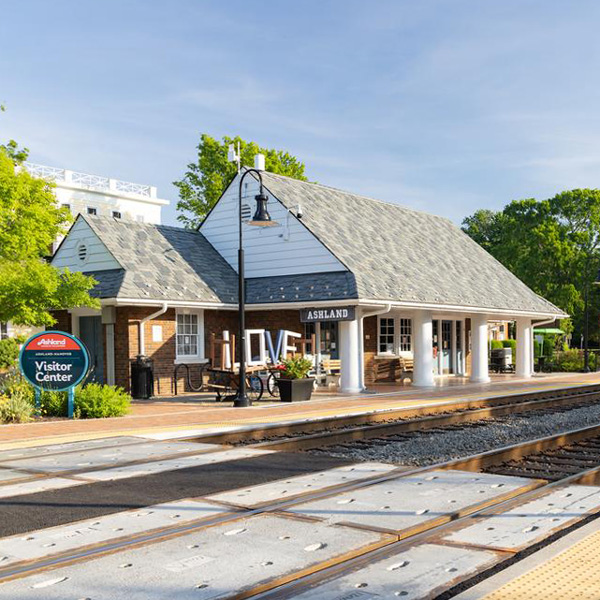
389, 292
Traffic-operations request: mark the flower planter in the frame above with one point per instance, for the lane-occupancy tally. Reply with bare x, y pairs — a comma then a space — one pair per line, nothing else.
295, 390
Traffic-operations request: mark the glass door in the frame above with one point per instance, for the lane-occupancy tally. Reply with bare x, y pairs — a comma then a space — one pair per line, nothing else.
329, 340
446, 347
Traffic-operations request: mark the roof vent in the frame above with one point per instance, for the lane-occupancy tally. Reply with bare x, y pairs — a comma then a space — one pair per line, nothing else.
259, 162
82, 252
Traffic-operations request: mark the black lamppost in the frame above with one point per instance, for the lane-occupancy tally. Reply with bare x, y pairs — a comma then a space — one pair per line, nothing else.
261, 218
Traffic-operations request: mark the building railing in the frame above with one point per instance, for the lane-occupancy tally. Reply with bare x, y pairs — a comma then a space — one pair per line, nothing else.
90, 182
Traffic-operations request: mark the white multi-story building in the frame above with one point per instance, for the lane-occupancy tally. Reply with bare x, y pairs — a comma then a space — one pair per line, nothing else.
94, 195
87, 194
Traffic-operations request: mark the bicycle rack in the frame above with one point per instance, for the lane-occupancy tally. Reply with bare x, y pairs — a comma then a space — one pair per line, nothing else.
188, 378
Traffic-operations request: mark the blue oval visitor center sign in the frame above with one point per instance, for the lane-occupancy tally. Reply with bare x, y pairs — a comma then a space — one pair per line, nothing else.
54, 360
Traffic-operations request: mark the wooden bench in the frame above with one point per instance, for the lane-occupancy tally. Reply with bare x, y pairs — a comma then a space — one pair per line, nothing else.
393, 369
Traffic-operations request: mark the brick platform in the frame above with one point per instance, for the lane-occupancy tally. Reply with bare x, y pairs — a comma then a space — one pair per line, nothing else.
187, 415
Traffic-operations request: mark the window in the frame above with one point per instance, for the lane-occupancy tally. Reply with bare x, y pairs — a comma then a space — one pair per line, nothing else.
386, 335
91, 211
190, 336
3, 331
67, 206
116, 214
310, 329
405, 335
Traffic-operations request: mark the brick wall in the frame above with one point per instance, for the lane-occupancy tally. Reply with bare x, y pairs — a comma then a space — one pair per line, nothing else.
63, 320
370, 347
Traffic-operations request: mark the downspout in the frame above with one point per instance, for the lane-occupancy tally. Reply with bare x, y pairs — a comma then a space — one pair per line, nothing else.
380, 311
142, 337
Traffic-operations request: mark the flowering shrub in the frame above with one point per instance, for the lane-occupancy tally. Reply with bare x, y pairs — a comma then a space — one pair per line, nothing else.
296, 367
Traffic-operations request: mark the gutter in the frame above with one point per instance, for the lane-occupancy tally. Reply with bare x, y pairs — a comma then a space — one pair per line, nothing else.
142, 337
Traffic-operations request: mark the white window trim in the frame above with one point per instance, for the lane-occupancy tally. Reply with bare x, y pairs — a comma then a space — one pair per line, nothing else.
397, 352
197, 358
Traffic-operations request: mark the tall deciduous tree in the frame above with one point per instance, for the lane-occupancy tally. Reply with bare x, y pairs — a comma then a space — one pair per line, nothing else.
206, 179
29, 222
552, 245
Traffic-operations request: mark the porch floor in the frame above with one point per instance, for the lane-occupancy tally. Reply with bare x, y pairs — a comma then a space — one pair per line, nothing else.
192, 415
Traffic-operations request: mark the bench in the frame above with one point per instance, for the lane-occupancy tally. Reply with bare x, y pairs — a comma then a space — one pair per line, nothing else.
393, 369
329, 372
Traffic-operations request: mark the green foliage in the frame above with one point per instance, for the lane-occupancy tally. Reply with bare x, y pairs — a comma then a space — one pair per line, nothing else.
11, 148
206, 179
496, 344
510, 344
96, 401
569, 360
9, 352
54, 404
29, 222
296, 367
551, 245
16, 408
16, 399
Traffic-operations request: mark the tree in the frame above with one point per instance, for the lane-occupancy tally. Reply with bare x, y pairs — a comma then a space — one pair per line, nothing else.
206, 179
30, 221
18, 155
552, 245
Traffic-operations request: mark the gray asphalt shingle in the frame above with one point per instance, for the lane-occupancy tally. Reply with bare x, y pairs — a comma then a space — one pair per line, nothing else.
400, 254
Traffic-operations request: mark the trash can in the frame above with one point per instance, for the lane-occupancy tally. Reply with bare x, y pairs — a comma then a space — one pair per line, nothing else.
142, 378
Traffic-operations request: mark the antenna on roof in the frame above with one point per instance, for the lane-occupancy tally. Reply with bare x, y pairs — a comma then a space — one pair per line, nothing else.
233, 156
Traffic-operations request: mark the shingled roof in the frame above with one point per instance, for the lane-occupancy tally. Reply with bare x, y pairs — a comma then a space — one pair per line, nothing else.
161, 263
399, 254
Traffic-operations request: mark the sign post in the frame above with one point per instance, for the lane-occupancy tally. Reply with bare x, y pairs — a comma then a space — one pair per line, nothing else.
54, 360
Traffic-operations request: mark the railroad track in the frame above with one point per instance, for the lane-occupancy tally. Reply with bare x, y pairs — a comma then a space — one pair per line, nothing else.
343, 432
568, 458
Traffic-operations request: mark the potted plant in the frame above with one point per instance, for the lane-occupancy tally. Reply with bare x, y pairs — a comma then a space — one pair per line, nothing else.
293, 383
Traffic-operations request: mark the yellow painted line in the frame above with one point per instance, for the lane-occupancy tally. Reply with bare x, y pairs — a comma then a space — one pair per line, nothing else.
574, 573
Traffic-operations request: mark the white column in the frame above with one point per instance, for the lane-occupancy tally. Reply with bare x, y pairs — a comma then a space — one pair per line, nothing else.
440, 354
422, 348
455, 369
524, 347
350, 357
479, 342
463, 348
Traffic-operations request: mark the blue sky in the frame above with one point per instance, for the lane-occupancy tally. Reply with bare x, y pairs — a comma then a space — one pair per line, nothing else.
445, 106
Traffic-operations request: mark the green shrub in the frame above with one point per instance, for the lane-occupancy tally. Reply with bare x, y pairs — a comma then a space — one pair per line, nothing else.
99, 401
9, 352
569, 360
16, 408
497, 344
510, 344
53, 404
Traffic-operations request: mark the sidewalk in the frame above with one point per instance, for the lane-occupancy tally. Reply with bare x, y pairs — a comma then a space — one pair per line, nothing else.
180, 416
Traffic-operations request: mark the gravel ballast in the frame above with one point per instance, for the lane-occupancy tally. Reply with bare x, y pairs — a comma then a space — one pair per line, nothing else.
439, 446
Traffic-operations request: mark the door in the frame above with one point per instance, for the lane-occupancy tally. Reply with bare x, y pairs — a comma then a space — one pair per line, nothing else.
459, 349
446, 347
90, 333
329, 340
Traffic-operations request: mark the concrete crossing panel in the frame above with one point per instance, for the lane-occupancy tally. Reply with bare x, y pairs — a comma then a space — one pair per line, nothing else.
17, 453
526, 524
100, 457
408, 501
56, 540
217, 562
288, 488
424, 571
172, 464
37, 485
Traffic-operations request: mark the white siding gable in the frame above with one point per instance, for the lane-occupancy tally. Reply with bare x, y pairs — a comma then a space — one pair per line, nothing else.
98, 258
287, 249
